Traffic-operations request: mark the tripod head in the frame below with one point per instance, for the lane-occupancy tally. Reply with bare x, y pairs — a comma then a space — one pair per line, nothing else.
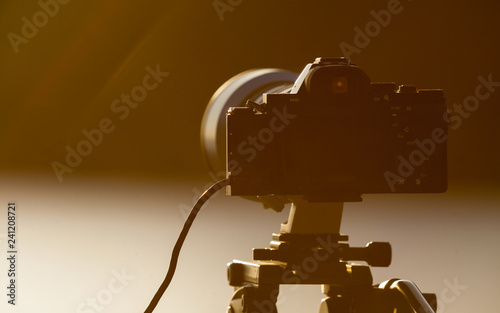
312, 231
305, 254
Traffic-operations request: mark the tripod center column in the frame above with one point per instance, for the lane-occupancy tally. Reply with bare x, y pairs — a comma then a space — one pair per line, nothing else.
313, 218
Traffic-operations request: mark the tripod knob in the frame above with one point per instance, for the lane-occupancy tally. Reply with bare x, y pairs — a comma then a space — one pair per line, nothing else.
235, 274
378, 253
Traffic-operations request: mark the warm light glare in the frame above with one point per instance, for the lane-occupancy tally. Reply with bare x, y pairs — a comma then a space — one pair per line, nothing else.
340, 84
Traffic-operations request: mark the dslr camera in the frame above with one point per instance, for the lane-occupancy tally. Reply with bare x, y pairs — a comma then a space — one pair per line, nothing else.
334, 135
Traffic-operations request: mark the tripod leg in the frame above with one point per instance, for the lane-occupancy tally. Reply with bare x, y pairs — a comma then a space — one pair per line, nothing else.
254, 299
412, 296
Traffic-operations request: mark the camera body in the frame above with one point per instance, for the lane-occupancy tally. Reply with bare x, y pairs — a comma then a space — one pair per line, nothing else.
335, 135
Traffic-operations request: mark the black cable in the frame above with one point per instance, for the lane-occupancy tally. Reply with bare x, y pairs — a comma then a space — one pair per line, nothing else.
182, 236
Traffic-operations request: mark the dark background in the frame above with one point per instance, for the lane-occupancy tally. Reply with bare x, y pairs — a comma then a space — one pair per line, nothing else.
64, 79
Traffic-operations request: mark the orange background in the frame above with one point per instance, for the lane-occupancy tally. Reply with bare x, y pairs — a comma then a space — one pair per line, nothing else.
64, 79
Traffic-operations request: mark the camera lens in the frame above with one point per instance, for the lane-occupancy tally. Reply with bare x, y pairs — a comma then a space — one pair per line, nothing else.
249, 85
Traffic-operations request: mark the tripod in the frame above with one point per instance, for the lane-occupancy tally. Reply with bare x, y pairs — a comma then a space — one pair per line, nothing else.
310, 250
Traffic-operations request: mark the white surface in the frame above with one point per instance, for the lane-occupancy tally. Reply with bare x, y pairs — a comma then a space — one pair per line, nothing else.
74, 239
